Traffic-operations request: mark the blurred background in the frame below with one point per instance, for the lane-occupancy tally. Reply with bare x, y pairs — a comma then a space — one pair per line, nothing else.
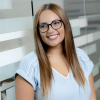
16, 35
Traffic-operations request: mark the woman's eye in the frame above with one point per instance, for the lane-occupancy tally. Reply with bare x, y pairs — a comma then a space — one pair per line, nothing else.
42, 26
56, 22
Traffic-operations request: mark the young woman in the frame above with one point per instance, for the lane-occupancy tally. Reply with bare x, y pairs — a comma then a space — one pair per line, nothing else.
56, 70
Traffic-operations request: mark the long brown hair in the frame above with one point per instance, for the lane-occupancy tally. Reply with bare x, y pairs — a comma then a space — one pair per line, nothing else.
68, 46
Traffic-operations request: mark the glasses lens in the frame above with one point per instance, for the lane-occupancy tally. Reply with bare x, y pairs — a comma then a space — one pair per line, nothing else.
43, 27
56, 24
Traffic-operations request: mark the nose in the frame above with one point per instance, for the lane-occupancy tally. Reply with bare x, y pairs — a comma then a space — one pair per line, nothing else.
50, 29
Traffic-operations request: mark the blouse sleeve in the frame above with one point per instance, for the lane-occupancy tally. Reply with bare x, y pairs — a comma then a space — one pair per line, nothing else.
27, 71
85, 62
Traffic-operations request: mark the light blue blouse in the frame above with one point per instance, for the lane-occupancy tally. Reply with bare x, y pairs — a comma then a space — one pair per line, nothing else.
63, 88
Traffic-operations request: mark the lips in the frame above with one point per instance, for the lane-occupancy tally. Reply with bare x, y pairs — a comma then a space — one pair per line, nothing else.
52, 36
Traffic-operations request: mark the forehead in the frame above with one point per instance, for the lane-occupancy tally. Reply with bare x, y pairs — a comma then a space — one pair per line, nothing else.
48, 16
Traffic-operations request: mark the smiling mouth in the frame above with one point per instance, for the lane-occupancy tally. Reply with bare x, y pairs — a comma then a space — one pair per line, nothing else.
53, 36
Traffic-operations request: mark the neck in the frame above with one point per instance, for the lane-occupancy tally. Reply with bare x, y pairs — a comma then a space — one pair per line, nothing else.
55, 51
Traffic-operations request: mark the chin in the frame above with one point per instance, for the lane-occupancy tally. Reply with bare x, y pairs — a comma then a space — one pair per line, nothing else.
54, 45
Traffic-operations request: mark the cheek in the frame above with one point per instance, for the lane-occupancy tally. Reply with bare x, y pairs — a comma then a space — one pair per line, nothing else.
62, 32
43, 36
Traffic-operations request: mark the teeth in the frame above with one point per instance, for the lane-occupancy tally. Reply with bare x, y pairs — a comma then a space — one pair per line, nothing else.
53, 36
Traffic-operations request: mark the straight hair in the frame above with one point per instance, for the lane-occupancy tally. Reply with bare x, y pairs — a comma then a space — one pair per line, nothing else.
68, 48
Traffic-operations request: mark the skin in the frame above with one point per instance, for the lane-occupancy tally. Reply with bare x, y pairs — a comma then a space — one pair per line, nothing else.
54, 49
91, 81
51, 16
23, 89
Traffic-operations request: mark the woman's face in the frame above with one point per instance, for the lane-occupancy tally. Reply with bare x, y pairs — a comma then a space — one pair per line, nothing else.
52, 37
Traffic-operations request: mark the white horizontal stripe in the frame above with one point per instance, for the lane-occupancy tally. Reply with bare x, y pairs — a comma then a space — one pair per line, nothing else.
79, 22
5, 4
90, 49
14, 55
97, 84
82, 40
79, 41
15, 24
14, 35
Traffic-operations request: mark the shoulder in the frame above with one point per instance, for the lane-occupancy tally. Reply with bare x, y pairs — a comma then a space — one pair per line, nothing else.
81, 54
30, 59
29, 68
84, 60
29, 63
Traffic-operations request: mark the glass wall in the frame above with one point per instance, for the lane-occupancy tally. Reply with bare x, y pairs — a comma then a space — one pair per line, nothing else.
85, 22
93, 32
16, 32
16, 40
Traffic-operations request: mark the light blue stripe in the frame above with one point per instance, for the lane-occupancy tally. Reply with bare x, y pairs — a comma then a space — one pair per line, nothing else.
15, 24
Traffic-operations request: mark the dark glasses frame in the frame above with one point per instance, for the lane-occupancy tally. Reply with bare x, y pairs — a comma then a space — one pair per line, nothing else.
50, 25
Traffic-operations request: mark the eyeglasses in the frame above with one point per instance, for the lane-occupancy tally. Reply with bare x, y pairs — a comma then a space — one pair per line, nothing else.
44, 27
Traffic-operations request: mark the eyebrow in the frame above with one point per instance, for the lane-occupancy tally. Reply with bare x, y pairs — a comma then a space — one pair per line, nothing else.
43, 23
47, 23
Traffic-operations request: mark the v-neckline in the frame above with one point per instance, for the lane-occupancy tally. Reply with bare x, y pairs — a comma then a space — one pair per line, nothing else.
61, 74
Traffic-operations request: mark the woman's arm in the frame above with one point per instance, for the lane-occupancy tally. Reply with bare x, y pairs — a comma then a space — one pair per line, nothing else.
91, 81
23, 89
